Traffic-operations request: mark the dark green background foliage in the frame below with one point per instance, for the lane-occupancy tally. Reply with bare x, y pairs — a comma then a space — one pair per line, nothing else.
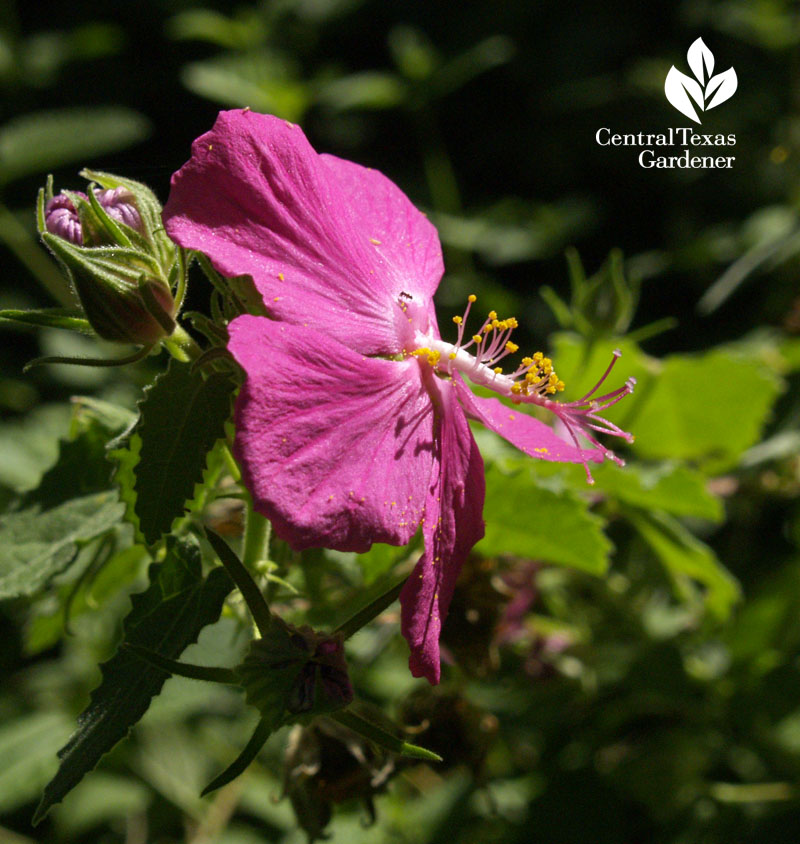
623, 659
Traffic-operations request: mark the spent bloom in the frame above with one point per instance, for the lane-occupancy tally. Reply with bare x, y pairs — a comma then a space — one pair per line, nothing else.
351, 426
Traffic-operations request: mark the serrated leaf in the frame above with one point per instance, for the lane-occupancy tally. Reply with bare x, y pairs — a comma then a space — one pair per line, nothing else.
45, 140
166, 617
126, 457
182, 416
554, 527
35, 545
687, 559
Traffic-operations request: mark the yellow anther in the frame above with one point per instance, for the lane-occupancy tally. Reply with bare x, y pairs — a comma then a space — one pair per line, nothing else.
511, 322
452, 355
550, 390
531, 377
516, 389
487, 328
547, 363
457, 320
496, 323
472, 297
553, 380
512, 347
492, 315
477, 338
375, 241
560, 386
527, 361
281, 277
497, 370
538, 357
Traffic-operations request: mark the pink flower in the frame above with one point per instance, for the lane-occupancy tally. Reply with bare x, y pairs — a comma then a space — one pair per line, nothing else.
351, 426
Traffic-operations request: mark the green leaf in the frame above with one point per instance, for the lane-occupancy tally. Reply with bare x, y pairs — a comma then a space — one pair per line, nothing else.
262, 80
35, 545
553, 527
182, 416
673, 489
82, 467
166, 617
30, 444
707, 407
25, 744
85, 593
688, 560
364, 90
68, 318
45, 140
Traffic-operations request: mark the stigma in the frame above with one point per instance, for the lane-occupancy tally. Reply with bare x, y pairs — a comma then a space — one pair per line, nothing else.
533, 381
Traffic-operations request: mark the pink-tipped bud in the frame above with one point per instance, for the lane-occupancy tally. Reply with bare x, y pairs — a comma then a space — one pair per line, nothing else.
61, 219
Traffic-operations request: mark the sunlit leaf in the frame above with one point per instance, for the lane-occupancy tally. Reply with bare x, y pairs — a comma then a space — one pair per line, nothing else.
528, 520
688, 560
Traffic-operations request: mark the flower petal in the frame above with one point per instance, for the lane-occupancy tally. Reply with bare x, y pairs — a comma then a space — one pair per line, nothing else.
328, 243
528, 434
336, 448
453, 524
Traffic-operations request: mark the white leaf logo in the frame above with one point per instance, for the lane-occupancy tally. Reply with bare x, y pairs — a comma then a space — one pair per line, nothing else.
701, 60
704, 91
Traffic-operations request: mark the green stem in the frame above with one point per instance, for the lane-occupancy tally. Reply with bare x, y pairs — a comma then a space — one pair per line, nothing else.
244, 581
370, 611
181, 345
257, 531
383, 739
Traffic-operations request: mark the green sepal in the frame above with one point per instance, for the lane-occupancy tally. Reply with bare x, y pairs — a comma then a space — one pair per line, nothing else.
107, 280
382, 738
295, 674
149, 208
67, 318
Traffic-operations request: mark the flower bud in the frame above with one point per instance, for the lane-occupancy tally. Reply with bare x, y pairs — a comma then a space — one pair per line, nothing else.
120, 204
295, 672
112, 246
61, 219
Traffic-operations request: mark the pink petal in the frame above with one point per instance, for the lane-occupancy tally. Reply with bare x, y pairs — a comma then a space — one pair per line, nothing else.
528, 434
336, 448
258, 200
453, 524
